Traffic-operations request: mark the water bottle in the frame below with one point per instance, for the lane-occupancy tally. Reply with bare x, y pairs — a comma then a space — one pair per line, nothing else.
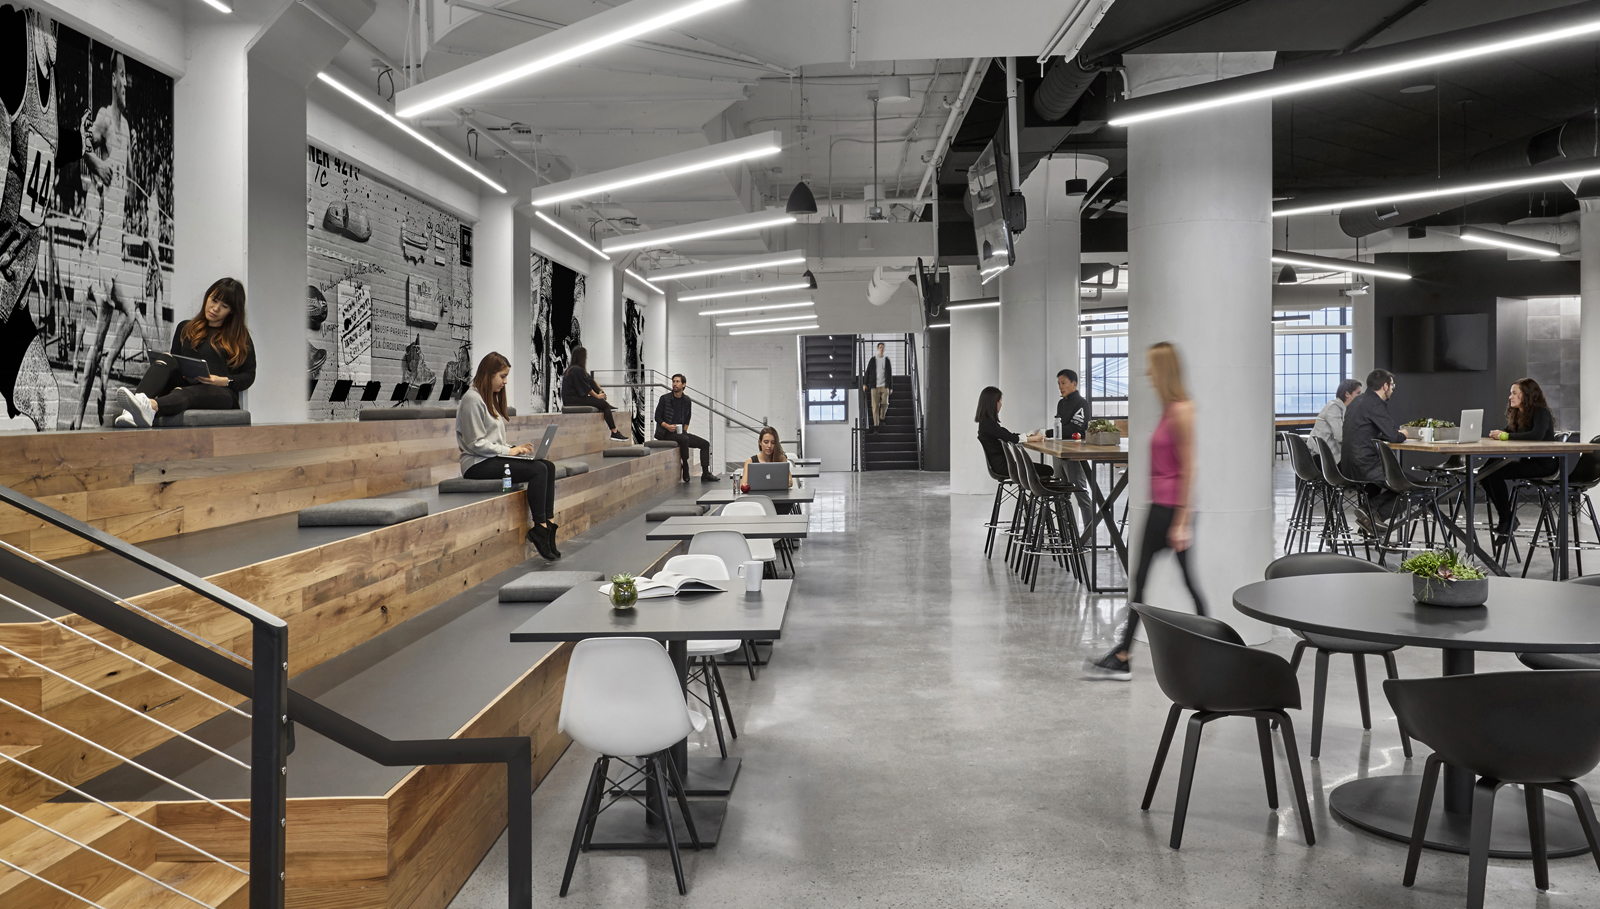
505, 482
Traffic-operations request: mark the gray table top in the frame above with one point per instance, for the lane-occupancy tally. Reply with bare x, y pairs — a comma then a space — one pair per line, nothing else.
1522, 614
764, 527
584, 612
795, 496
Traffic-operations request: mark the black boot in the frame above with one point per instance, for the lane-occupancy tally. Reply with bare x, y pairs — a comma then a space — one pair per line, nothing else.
537, 536
550, 529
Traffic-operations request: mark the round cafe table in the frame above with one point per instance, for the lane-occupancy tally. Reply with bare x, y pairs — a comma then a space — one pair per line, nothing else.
1522, 615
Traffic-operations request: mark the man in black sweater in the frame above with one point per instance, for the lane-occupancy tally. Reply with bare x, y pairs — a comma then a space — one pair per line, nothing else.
673, 411
1367, 421
1072, 412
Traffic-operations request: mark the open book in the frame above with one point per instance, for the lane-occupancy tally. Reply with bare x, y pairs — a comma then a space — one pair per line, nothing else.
668, 584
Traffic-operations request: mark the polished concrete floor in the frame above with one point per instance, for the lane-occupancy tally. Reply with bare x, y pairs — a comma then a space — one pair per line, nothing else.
922, 738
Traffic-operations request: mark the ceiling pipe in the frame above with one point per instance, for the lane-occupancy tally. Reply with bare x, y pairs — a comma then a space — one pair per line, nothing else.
942, 146
503, 145
1063, 85
350, 33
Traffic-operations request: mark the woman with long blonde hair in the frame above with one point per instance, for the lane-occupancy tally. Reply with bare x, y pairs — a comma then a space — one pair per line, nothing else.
1170, 524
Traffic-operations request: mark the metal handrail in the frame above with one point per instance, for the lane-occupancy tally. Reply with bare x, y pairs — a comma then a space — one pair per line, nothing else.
651, 378
912, 367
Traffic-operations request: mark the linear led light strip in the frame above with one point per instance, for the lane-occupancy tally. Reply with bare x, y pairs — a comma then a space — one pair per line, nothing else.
219, 6
1322, 263
1509, 241
985, 305
640, 278
1423, 61
716, 228
774, 260
581, 241
748, 290
808, 317
662, 168
1454, 189
768, 331
602, 30
406, 128
761, 308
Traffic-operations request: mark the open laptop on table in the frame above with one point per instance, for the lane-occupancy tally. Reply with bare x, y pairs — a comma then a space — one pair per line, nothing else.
1471, 428
774, 475
543, 448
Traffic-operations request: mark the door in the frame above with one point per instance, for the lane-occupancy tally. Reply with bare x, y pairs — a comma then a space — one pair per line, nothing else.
745, 389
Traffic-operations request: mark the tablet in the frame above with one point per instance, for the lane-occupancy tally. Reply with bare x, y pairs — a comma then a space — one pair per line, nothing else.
192, 367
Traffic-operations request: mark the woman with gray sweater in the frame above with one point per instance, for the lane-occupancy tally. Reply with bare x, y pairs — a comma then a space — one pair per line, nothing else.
485, 454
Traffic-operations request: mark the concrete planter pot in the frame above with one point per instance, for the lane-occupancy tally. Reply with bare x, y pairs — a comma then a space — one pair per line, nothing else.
1104, 438
1435, 592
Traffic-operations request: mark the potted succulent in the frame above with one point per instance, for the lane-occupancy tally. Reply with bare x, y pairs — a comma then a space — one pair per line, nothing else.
1437, 430
1443, 578
1103, 432
624, 591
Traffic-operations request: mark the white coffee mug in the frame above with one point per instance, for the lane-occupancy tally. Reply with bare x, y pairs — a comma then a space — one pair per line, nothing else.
1427, 433
751, 572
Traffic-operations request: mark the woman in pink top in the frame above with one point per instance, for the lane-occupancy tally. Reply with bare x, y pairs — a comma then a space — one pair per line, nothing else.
1169, 524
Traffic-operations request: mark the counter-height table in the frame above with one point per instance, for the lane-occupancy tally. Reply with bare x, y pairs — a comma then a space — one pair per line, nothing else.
753, 527
732, 614
1105, 503
793, 496
1522, 616
1475, 453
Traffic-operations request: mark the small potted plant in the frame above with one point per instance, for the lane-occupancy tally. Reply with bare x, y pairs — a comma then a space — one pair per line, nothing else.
1436, 430
624, 591
1443, 578
1103, 432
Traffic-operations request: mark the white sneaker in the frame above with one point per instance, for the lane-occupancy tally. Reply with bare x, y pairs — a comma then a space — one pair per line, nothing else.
137, 407
124, 420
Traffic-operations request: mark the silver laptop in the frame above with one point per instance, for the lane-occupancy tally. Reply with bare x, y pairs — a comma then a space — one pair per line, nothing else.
544, 445
1471, 428
767, 476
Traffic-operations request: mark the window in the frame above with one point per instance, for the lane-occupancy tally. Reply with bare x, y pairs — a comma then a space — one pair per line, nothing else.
825, 405
1104, 382
1309, 364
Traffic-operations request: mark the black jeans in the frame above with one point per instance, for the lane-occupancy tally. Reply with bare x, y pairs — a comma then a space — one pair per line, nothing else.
1498, 484
685, 442
604, 407
539, 475
1156, 526
171, 393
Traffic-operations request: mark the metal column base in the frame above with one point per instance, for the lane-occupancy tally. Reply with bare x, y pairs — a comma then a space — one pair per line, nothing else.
1387, 806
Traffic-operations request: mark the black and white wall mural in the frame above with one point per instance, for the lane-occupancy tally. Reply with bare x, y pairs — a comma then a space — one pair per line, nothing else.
558, 294
86, 226
633, 343
389, 294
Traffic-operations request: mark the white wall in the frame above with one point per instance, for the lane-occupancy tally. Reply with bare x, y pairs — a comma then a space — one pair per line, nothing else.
974, 363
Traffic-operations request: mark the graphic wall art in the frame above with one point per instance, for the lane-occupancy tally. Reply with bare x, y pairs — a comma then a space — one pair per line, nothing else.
558, 294
388, 294
86, 226
633, 354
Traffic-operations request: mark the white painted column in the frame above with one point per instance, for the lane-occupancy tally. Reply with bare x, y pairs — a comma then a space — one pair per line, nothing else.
602, 317
974, 364
1039, 294
502, 302
655, 334
1589, 318
1199, 240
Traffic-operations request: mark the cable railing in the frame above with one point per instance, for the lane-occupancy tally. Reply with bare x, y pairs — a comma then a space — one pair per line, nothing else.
650, 378
274, 708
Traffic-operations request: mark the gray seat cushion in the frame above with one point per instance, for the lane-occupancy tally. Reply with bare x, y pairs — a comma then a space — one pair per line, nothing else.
662, 512
439, 413
572, 467
462, 484
1560, 660
373, 414
355, 512
660, 443
544, 586
627, 451
1345, 645
580, 409
205, 418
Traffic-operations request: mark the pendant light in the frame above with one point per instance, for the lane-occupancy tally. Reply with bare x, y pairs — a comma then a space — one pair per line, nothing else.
801, 201
1077, 187
1288, 275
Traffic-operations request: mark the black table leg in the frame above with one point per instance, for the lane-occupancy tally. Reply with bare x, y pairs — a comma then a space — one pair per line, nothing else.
1561, 532
1458, 782
1104, 513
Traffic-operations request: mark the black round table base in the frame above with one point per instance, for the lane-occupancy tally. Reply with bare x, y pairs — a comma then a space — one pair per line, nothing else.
1387, 806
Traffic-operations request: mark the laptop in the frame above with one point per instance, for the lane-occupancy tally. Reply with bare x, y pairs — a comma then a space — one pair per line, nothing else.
543, 447
767, 476
1471, 428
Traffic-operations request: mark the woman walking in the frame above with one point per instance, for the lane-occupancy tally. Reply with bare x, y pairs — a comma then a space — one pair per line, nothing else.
1170, 524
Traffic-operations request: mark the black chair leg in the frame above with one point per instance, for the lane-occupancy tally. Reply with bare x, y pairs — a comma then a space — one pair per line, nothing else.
1534, 796
722, 694
599, 793
1191, 752
1291, 752
1419, 825
1361, 689
1264, 739
1586, 819
1318, 697
1393, 672
1294, 660
578, 834
711, 706
1161, 756
654, 764
1483, 793
683, 802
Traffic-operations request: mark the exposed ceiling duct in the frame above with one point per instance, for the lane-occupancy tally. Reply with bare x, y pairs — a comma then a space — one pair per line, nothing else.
884, 283
1063, 85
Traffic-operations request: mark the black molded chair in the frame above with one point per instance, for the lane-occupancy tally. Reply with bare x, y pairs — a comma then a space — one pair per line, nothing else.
1416, 500
1585, 476
1340, 489
1052, 528
1203, 665
1565, 660
1309, 489
1539, 729
1005, 489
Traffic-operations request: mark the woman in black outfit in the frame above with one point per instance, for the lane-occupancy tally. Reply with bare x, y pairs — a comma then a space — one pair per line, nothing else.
1528, 419
578, 389
216, 335
991, 434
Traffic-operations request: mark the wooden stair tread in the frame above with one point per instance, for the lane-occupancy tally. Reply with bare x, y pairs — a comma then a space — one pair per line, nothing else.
53, 858
22, 843
210, 883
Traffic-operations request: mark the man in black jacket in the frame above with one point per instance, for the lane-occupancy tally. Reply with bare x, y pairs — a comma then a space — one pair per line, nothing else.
1072, 412
673, 411
880, 375
1366, 422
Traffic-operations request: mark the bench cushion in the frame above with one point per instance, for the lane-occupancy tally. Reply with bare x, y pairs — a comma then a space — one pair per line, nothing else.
572, 467
205, 418
660, 443
372, 414
627, 451
462, 484
354, 512
580, 409
544, 586
662, 512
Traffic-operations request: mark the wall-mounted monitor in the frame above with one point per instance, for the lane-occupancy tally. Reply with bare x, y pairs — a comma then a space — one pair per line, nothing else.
1457, 342
986, 199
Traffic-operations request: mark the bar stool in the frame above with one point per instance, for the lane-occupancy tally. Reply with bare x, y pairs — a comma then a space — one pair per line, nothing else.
1584, 477
1335, 526
1005, 489
1051, 528
1309, 488
1417, 500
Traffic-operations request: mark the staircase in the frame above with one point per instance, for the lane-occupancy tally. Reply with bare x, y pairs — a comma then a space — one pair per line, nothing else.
892, 446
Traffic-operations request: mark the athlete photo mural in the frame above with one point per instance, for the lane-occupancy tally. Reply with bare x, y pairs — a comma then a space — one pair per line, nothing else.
86, 226
558, 294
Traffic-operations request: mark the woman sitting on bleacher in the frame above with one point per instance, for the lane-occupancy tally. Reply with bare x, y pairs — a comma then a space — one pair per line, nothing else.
485, 454
579, 389
216, 335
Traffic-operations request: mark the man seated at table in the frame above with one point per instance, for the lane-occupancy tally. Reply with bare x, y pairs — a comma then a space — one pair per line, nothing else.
1330, 422
1367, 421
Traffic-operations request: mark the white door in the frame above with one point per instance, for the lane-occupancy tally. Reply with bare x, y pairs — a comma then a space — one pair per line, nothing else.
745, 390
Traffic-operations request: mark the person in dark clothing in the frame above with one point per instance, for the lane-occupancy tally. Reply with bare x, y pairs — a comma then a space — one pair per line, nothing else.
673, 412
1528, 419
1072, 412
578, 389
878, 379
1367, 421
217, 335
991, 434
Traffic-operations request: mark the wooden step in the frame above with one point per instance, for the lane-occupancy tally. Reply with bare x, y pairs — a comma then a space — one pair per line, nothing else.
56, 860
210, 883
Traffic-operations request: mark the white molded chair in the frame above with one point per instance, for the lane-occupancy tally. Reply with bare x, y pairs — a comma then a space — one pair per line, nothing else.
785, 547
760, 550
703, 654
734, 550
622, 699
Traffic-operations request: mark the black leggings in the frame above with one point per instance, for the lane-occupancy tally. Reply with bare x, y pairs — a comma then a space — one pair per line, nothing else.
604, 407
171, 393
1156, 526
1498, 484
539, 475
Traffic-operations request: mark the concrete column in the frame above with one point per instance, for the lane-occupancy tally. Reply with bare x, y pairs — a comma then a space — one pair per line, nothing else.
602, 317
974, 364
1039, 294
1589, 318
502, 293
1199, 240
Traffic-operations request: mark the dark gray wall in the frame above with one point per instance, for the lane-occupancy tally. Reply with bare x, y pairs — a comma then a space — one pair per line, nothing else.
936, 409
1511, 341
1457, 282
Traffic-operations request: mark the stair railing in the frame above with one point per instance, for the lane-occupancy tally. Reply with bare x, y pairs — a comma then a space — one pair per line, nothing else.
913, 373
273, 709
644, 379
